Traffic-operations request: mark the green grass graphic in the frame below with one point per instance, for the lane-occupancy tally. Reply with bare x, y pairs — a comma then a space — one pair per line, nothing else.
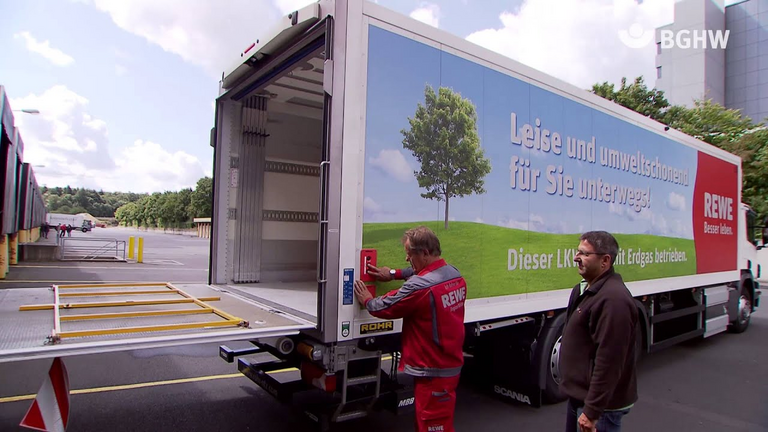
480, 252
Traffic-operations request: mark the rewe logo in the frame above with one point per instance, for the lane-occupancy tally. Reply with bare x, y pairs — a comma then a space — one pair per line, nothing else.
511, 394
685, 39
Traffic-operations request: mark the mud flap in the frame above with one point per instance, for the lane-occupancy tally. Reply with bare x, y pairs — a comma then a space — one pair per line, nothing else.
506, 369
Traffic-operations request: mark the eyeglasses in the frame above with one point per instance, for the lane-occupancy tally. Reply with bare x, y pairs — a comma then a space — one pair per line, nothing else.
587, 254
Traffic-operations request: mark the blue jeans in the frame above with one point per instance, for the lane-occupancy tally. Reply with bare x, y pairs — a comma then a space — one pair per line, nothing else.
610, 421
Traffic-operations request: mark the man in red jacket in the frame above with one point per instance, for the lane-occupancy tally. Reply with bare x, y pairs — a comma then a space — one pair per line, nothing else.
431, 303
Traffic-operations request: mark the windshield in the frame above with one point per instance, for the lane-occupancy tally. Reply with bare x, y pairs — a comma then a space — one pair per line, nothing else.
754, 231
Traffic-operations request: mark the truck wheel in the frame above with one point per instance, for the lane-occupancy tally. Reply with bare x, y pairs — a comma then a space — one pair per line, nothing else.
744, 314
85, 230
551, 342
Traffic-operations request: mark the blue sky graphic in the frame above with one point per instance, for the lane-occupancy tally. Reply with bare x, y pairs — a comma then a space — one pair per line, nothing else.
398, 71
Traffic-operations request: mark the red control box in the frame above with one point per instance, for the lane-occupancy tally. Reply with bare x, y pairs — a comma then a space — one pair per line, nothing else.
368, 256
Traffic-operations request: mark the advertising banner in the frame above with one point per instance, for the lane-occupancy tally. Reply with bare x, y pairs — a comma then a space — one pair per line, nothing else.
509, 175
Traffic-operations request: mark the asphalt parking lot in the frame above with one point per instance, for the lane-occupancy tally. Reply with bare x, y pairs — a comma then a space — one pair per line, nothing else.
166, 258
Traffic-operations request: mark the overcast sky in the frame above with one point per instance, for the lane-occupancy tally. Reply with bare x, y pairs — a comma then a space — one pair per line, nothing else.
126, 87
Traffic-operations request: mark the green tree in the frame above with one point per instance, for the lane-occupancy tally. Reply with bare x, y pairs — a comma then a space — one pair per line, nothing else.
151, 214
165, 204
53, 203
182, 215
752, 147
172, 208
124, 214
169, 209
443, 139
712, 123
133, 213
201, 199
118, 199
637, 97
83, 199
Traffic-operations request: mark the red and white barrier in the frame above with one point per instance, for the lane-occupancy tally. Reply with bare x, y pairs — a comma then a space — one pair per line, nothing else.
50, 410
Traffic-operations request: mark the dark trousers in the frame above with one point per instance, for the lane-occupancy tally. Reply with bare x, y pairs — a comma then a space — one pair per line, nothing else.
610, 421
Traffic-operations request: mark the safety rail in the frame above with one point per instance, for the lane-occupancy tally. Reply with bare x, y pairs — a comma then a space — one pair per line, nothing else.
128, 293
92, 249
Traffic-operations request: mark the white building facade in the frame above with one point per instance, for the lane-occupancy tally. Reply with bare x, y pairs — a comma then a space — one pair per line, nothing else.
699, 62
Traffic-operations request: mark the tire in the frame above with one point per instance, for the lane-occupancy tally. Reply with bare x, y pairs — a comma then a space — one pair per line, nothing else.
85, 230
549, 357
744, 313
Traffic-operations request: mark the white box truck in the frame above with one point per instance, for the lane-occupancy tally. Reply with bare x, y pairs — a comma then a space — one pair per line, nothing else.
351, 123
78, 222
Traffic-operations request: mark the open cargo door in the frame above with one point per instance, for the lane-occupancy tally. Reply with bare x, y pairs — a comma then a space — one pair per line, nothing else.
85, 319
270, 173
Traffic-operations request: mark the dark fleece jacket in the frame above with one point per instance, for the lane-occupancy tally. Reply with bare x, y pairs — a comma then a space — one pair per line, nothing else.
597, 356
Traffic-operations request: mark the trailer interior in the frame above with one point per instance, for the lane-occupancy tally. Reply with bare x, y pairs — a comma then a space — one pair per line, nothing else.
276, 186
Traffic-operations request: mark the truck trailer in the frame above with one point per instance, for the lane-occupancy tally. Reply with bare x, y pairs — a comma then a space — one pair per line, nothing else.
350, 123
78, 222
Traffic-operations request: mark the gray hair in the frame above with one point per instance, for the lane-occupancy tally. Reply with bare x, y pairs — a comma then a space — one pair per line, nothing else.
603, 242
424, 240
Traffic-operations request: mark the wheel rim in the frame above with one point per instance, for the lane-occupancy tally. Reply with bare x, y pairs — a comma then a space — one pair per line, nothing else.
745, 309
554, 361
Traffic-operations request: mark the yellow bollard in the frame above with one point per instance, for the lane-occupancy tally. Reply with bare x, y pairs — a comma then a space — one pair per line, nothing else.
13, 249
130, 247
140, 257
3, 256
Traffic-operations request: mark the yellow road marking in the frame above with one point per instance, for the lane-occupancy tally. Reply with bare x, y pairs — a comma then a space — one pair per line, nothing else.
150, 384
139, 385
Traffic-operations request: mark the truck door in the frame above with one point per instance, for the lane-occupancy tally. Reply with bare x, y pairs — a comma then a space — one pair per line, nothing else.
271, 175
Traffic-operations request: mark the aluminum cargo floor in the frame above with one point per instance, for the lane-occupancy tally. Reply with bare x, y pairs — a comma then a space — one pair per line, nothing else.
298, 298
25, 334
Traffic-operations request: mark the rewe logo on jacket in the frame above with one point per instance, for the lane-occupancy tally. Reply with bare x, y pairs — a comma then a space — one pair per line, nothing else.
454, 297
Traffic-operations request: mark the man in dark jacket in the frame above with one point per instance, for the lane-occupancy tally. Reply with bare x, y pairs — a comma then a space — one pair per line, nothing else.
597, 357
431, 303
